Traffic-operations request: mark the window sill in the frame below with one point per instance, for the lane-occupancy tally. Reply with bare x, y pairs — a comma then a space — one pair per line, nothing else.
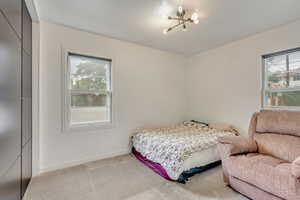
89, 127
295, 108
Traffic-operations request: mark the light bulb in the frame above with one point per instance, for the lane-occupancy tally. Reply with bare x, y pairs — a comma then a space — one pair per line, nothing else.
195, 16
165, 31
196, 21
180, 9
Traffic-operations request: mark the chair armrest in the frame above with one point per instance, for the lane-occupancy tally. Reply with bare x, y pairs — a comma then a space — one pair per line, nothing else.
232, 145
296, 167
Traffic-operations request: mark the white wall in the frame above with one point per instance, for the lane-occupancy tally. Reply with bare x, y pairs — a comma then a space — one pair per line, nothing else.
148, 91
224, 84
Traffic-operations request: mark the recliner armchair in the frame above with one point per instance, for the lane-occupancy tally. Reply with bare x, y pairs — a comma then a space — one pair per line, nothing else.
266, 164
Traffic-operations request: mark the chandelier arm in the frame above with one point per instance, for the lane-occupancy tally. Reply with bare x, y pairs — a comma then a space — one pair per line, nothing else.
173, 18
181, 19
188, 20
176, 25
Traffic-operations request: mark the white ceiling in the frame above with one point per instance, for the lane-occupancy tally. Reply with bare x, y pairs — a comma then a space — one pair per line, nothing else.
142, 22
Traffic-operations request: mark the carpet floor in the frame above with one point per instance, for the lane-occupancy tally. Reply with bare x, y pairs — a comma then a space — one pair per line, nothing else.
124, 178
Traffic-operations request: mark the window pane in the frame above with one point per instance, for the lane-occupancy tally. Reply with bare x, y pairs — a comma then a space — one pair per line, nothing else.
88, 100
90, 108
282, 80
288, 98
294, 65
89, 73
276, 72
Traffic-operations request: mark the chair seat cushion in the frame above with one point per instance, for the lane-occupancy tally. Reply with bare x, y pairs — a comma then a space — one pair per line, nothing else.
267, 173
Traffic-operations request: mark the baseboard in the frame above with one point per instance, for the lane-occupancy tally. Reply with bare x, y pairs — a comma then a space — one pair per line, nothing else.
82, 161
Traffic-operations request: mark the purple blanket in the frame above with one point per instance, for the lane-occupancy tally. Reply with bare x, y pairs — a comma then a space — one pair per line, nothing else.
152, 165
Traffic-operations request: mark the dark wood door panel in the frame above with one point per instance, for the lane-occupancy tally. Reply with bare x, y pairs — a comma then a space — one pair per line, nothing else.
10, 183
10, 132
13, 11
26, 98
10, 61
26, 121
15, 113
27, 31
26, 165
10, 96
26, 75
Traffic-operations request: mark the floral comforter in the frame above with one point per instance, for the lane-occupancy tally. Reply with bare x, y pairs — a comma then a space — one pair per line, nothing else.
171, 146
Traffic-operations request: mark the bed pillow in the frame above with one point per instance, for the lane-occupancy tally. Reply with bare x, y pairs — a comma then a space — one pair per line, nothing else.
223, 127
198, 122
193, 124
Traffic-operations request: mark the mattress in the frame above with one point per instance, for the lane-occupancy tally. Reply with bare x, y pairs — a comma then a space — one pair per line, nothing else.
179, 148
202, 158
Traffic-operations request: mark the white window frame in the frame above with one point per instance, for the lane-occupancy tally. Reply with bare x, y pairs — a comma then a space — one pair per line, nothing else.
67, 126
265, 83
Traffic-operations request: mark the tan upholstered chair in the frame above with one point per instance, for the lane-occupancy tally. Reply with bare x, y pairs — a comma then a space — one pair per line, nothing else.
266, 164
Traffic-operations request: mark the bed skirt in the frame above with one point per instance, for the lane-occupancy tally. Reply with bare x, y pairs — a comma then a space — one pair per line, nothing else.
157, 168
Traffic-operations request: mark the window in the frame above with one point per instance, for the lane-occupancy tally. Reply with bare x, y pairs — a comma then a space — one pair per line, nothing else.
88, 92
281, 86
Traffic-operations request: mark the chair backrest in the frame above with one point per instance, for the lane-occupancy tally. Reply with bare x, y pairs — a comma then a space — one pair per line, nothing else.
277, 133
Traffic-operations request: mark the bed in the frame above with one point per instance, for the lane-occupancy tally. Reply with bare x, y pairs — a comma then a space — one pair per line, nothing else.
180, 151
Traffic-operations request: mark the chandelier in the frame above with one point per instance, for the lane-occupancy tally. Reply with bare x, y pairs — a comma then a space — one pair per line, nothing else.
182, 20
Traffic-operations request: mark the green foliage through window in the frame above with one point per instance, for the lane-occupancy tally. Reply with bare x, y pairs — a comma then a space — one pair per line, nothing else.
282, 80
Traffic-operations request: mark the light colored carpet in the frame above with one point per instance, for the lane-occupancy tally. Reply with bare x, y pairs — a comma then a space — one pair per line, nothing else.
124, 178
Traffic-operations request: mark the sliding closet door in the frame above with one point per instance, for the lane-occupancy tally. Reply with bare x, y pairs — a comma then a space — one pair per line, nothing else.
15, 99
12, 9
26, 99
11, 181
10, 99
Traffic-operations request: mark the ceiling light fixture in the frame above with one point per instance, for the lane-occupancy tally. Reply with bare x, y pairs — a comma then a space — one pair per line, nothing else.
182, 20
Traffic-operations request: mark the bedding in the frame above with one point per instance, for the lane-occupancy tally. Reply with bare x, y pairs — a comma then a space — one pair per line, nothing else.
178, 148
